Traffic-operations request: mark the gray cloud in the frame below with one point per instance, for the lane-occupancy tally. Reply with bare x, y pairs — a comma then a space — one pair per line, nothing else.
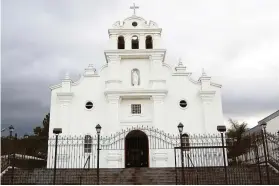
236, 41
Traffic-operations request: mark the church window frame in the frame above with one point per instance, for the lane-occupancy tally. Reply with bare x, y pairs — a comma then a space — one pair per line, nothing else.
120, 42
135, 42
88, 141
181, 102
136, 109
148, 42
88, 105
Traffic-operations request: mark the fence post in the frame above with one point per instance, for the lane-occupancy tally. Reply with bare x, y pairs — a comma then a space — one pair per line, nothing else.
258, 162
182, 160
13, 164
265, 153
222, 129
56, 131
175, 166
224, 158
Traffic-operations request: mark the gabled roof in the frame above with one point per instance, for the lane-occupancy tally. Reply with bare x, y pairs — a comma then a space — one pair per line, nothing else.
270, 117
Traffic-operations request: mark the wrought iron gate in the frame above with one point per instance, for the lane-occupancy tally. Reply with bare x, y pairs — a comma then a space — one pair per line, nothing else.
211, 165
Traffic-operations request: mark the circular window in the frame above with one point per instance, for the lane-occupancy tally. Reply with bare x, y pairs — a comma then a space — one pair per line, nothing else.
89, 105
183, 104
135, 24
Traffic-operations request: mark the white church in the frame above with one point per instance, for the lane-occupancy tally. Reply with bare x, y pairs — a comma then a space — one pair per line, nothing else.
137, 98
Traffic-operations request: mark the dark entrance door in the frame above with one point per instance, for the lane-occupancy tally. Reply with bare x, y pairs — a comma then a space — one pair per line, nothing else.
136, 149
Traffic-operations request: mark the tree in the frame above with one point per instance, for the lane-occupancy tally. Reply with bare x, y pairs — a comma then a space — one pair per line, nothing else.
43, 131
237, 130
238, 142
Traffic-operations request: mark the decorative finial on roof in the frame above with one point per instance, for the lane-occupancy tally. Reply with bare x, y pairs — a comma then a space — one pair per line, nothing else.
66, 77
180, 63
134, 7
203, 73
91, 66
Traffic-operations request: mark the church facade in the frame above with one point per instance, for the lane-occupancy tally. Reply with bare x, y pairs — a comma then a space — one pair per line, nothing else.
137, 92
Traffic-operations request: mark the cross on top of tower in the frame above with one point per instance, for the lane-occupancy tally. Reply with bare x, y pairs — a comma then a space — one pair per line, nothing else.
134, 7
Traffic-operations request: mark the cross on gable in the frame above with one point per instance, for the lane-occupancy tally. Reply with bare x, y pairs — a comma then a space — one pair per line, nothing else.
134, 7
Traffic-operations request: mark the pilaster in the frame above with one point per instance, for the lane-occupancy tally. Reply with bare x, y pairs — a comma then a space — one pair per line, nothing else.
206, 95
141, 41
156, 41
128, 41
156, 80
158, 110
113, 41
113, 80
113, 112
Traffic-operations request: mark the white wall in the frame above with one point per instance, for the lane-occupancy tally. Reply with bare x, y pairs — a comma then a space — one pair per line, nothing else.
273, 125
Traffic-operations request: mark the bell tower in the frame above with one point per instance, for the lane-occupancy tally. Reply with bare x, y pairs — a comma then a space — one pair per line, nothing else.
134, 33
134, 39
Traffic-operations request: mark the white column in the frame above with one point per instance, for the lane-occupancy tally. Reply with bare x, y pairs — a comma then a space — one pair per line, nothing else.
113, 114
113, 81
207, 96
156, 41
128, 42
205, 116
113, 39
142, 41
64, 115
158, 111
156, 66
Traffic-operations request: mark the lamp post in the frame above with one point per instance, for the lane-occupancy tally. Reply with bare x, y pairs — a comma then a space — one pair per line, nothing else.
98, 129
180, 129
265, 150
56, 131
222, 129
11, 129
13, 164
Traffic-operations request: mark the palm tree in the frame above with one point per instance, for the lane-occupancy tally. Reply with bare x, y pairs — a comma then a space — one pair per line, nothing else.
236, 139
237, 130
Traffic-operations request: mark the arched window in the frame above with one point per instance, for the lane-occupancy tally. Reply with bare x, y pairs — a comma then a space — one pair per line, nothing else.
148, 42
135, 42
121, 42
87, 144
185, 141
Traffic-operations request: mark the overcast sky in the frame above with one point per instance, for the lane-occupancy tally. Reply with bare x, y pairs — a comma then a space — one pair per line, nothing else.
237, 42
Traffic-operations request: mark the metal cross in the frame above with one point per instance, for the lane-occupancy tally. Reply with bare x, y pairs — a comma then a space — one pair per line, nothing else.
134, 7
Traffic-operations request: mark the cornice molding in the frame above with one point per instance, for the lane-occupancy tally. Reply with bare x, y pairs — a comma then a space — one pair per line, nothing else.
135, 53
136, 93
65, 96
117, 31
207, 96
52, 87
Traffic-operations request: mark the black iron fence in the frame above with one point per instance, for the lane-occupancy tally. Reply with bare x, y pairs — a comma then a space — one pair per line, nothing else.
253, 159
204, 161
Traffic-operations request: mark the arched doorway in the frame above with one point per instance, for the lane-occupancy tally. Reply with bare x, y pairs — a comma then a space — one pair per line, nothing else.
136, 149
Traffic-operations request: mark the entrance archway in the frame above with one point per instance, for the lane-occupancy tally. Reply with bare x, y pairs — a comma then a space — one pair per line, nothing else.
136, 149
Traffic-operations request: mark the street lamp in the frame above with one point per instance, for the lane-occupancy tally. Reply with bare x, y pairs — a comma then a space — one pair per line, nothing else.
180, 129
98, 129
265, 150
11, 129
56, 131
222, 129
13, 164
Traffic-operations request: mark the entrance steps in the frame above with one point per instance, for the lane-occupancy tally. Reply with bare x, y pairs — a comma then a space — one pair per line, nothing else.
138, 176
